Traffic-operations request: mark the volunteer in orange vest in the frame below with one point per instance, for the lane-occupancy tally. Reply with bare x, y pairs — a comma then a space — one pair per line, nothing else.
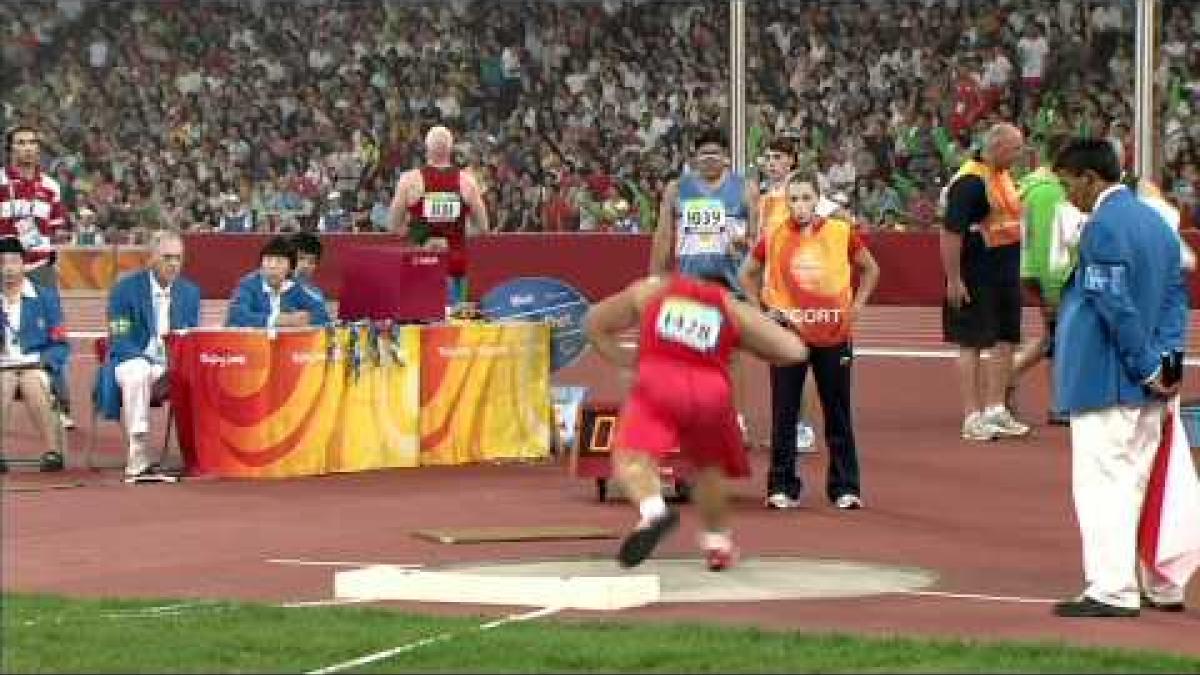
801, 272
981, 259
773, 209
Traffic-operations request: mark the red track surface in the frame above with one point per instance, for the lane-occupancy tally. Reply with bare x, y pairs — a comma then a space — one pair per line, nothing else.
990, 519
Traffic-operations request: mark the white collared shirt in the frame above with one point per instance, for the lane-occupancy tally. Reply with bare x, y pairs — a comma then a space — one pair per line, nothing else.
160, 298
275, 297
12, 319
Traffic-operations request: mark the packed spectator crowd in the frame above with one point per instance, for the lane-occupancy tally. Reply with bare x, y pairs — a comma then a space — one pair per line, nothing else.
253, 114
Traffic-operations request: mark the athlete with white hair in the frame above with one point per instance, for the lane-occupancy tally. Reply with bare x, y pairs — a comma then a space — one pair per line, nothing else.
433, 203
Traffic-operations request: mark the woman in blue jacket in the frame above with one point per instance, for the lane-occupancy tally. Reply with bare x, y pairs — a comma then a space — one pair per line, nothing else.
270, 298
34, 333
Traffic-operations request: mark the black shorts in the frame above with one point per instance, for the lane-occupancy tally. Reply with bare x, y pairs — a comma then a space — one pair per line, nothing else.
993, 315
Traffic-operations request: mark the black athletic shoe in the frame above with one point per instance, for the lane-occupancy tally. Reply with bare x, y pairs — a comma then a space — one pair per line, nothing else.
51, 461
1085, 607
640, 543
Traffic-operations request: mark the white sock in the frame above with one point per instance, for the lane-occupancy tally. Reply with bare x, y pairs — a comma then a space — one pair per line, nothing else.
719, 540
994, 409
741, 422
972, 416
652, 508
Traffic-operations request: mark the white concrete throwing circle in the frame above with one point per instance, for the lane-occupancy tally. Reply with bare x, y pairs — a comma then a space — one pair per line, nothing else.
751, 579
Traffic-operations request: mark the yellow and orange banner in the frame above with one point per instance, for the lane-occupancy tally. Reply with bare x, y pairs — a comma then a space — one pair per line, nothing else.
259, 404
485, 392
302, 402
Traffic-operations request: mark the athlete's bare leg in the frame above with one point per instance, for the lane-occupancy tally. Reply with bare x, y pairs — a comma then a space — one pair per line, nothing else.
638, 474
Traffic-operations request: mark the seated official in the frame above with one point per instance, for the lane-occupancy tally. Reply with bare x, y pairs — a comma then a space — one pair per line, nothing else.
34, 331
270, 298
142, 307
308, 258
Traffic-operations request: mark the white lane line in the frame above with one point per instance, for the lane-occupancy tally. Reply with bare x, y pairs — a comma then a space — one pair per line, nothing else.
337, 563
893, 352
434, 639
332, 602
164, 610
900, 353
980, 596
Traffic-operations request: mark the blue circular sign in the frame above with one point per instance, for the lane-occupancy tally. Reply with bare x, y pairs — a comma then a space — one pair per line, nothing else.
542, 299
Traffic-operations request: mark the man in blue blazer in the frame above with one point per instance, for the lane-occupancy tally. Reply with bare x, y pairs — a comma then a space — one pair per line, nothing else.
270, 298
142, 307
1124, 308
32, 320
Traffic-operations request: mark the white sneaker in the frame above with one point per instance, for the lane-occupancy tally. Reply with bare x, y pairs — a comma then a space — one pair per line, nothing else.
1005, 424
849, 502
976, 428
67, 422
782, 501
151, 474
806, 438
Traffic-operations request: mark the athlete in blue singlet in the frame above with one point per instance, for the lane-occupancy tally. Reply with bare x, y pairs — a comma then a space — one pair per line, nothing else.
707, 217
707, 220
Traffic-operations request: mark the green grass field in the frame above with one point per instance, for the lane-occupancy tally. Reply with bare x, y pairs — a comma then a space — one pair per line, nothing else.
54, 634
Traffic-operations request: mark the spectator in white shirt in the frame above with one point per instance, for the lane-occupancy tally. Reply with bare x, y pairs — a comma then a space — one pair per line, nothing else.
1032, 51
997, 73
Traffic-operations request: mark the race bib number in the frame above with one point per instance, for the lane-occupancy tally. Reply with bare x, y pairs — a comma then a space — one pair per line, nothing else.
441, 206
704, 215
689, 323
704, 225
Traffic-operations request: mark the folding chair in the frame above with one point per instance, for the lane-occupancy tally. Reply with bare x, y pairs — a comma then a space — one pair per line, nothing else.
100, 350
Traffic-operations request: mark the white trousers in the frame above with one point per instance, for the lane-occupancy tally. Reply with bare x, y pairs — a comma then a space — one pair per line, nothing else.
1112, 453
136, 378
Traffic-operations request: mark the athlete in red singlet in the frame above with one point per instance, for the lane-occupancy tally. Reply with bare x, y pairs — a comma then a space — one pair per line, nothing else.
435, 201
682, 396
682, 399
443, 213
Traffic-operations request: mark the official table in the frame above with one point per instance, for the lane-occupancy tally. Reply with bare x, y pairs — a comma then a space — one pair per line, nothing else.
299, 402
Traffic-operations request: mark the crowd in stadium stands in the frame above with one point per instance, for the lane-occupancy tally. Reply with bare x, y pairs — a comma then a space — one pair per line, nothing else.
254, 114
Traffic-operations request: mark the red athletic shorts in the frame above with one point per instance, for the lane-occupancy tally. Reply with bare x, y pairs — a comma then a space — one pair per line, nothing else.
690, 409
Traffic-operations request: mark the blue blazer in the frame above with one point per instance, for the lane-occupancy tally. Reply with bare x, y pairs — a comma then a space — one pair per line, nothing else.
250, 306
1125, 304
313, 289
43, 332
131, 325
